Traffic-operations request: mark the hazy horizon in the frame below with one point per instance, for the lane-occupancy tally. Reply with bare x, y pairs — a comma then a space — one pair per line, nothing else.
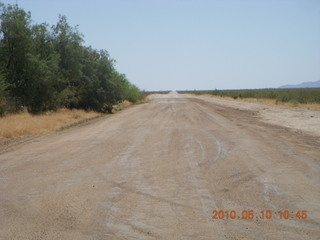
188, 45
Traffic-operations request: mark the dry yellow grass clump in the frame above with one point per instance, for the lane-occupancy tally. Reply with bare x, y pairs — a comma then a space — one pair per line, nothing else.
271, 102
24, 123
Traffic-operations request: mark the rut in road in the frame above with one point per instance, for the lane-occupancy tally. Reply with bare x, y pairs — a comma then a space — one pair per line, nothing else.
157, 171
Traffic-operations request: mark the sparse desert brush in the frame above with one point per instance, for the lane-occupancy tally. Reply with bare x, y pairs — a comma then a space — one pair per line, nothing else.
25, 124
302, 97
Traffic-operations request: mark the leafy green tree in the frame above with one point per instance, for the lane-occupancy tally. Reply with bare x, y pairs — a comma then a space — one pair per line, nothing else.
44, 71
67, 44
3, 94
45, 67
14, 48
128, 91
97, 89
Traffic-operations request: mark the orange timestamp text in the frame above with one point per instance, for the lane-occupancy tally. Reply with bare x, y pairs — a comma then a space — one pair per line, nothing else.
265, 214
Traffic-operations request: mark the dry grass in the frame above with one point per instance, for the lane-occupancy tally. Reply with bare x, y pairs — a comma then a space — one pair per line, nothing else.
25, 124
126, 102
121, 106
270, 102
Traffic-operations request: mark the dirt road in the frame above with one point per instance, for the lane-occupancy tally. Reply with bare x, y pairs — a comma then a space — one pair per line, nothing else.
158, 171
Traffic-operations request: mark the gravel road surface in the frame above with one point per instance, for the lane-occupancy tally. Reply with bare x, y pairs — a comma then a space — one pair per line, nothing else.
158, 171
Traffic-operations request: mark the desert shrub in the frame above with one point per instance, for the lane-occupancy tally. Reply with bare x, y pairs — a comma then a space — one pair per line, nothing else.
304, 95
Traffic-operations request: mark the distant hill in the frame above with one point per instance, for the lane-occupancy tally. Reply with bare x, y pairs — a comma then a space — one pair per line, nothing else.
315, 84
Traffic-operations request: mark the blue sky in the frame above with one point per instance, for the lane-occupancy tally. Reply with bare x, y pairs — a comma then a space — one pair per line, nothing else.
198, 44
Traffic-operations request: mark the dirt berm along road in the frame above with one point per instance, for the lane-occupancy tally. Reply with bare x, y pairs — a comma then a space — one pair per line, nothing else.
158, 171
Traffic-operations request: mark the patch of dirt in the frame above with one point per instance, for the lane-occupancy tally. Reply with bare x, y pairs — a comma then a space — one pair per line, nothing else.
297, 118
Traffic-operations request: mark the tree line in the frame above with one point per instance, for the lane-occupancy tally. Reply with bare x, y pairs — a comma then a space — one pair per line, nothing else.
45, 67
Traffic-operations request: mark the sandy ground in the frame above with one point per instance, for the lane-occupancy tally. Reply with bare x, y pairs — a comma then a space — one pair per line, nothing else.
158, 170
297, 118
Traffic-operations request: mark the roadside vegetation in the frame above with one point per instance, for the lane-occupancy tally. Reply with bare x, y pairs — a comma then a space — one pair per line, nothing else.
295, 96
45, 68
24, 123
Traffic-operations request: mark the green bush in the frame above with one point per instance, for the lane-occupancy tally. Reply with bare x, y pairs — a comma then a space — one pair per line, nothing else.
3, 95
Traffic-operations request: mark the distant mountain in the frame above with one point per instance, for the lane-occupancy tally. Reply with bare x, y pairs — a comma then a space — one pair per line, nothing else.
315, 84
